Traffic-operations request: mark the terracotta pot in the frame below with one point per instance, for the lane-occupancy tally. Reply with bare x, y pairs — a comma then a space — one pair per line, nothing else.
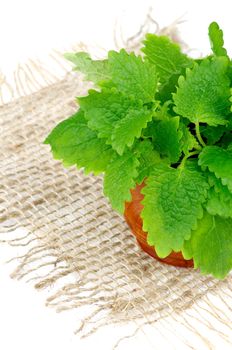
134, 220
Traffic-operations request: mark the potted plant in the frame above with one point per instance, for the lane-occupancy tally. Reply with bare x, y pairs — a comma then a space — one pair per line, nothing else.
159, 127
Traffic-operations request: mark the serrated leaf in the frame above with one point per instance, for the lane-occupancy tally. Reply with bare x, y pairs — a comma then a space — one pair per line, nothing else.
211, 246
188, 141
120, 178
129, 128
75, 144
172, 204
147, 158
104, 109
219, 199
166, 56
219, 162
230, 70
186, 250
213, 133
226, 139
94, 70
150, 130
216, 40
115, 116
163, 111
203, 96
131, 75
166, 90
167, 138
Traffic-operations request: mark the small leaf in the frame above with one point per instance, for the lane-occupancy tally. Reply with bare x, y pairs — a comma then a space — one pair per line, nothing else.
129, 128
167, 138
216, 40
220, 203
219, 162
188, 141
211, 246
213, 133
148, 158
96, 71
120, 178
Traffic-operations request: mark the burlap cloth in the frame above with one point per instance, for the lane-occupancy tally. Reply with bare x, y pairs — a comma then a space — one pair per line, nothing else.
76, 244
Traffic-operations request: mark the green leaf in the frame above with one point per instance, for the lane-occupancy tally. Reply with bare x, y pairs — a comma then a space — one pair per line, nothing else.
104, 109
216, 40
168, 134
166, 90
188, 141
132, 76
166, 56
226, 139
172, 204
212, 133
75, 144
203, 96
96, 71
219, 162
187, 250
230, 70
148, 158
120, 179
129, 128
211, 246
115, 116
167, 139
219, 198
163, 111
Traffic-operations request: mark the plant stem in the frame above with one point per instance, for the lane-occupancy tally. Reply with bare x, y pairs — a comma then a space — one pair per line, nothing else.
199, 134
190, 154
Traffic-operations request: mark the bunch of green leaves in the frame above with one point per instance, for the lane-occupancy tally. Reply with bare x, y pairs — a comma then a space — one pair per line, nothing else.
165, 119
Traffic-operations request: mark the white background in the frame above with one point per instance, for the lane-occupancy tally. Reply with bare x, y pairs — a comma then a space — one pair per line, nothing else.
33, 29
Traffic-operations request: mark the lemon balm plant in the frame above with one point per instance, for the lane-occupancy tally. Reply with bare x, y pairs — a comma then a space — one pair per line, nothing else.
162, 120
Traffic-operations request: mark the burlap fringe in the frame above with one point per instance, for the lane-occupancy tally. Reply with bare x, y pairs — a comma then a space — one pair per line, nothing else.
203, 319
88, 255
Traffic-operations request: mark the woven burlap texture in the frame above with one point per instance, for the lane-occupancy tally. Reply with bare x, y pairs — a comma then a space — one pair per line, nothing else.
75, 232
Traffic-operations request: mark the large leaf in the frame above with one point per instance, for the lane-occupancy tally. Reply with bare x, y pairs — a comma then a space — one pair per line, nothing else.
132, 76
166, 56
172, 204
211, 246
115, 116
75, 144
203, 96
